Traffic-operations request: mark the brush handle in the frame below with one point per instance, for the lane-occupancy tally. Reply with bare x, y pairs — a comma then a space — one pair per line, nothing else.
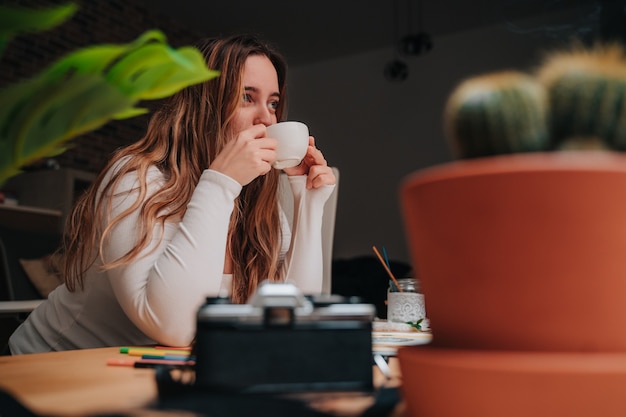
382, 261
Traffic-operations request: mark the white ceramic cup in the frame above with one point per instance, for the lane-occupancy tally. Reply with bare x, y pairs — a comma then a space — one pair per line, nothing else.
293, 141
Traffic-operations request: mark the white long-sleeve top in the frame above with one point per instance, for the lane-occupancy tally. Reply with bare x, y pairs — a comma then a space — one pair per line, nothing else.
155, 298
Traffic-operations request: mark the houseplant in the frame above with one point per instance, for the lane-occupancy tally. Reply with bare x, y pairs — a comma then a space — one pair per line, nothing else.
84, 90
497, 113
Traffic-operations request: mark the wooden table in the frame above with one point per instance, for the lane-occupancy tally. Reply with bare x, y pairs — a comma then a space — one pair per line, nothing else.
79, 383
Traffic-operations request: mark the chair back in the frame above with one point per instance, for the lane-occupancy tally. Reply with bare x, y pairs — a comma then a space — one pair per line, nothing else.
523, 252
15, 244
6, 285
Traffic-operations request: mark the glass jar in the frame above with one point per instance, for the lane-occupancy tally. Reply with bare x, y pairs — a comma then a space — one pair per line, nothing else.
405, 302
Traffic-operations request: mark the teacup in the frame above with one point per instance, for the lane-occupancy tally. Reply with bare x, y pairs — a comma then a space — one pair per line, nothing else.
293, 141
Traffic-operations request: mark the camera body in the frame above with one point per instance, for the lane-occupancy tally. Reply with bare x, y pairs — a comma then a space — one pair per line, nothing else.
282, 341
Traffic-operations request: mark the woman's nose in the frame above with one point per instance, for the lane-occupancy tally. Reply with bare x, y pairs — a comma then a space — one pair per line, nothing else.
264, 116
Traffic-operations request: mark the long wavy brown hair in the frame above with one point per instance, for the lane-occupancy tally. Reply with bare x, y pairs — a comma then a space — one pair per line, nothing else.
182, 139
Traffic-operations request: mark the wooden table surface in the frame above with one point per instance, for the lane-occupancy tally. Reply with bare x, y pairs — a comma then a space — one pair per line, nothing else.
75, 383
79, 383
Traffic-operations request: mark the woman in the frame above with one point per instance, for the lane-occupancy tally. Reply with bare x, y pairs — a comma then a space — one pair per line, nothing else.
189, 211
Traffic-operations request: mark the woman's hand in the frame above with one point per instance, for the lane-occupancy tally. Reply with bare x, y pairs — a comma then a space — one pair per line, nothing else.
247, 156
315, 167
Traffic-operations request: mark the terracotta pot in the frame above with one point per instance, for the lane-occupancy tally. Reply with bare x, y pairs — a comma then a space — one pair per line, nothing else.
522, 252
439, 382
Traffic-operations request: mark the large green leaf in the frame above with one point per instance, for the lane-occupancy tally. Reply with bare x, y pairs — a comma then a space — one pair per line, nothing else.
148, 73
85, 90
50, 114
99, 58
14, 20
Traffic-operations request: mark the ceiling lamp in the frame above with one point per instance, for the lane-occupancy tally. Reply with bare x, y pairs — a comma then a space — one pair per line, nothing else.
413, 44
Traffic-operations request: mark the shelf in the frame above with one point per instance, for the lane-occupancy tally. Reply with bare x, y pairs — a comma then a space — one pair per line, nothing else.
30, 218
20, 306
54, 189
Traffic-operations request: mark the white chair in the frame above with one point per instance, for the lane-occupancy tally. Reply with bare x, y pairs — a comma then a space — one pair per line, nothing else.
328, 224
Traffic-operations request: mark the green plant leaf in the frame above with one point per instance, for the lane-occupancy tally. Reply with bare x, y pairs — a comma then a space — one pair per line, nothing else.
41, 124
145, 69
156, 71
99, 58
89, 60
15, 20
130, 112
416, 324
86, 89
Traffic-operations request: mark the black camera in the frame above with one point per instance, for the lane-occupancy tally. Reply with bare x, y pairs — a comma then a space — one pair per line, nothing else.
282, 341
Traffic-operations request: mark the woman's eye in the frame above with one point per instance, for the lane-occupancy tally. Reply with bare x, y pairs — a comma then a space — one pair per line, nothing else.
273, 105
247, 98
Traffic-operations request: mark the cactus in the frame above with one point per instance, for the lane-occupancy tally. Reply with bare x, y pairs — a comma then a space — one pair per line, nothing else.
496, 113
586, 90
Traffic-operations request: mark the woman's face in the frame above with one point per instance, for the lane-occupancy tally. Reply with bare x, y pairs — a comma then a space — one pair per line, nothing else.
260, 94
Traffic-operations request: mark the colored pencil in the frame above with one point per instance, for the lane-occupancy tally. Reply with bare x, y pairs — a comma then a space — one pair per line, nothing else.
169, 357
188, 348
138, 351
146, 362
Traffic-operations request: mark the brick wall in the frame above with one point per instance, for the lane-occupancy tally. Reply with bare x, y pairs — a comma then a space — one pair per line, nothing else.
96, 22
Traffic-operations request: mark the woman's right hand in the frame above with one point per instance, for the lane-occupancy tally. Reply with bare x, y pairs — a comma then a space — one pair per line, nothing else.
247, 156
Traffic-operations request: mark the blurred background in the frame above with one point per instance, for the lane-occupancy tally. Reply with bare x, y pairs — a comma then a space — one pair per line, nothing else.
370, 78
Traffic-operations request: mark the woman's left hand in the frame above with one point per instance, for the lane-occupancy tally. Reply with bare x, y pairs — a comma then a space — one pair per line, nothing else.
315, 167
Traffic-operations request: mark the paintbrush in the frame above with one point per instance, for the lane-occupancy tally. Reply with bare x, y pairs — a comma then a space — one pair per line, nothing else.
382, 261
